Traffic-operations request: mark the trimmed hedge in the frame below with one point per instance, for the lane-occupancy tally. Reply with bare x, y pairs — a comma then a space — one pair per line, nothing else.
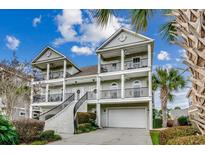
85, 117
49, 135
86, 127
188, 140
180, 131
39, 142
28, 129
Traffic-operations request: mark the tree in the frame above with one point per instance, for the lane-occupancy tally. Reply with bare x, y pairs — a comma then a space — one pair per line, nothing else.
177, 108
185, 28
167, 81
14, 84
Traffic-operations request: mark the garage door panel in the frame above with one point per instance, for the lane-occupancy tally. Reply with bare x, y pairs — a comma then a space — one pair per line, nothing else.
128, 118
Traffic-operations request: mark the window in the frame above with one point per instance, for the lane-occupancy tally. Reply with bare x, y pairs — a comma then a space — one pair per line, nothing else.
136, 60
113, 92
114, 66
136, 88
22, 113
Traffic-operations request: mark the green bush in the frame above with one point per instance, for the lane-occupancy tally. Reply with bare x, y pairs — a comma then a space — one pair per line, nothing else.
39, 142
85, 117
180, 131
86, 127
188, 140
28, 129
8, 133
46, 135
49, 135
157, 123
183, 121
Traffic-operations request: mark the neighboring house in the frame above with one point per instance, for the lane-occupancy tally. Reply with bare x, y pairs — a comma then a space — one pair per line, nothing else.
176, 113
21, 108
118, 88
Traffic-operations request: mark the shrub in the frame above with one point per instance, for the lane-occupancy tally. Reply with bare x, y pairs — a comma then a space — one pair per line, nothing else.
28, 129
180, 131
56, 137
85, 117
170, 123
86, 127
8, 134
188, 140
39, 142
46, 135
183, 121
157, 123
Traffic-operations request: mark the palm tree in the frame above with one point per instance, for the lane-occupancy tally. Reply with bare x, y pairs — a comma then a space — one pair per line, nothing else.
167, 81
186, 28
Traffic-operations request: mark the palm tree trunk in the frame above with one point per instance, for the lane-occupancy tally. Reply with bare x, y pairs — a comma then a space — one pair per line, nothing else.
164, 117
190, 25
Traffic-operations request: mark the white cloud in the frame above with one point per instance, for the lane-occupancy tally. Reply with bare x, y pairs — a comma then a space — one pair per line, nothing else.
178, 59
66, 22
163, 55
182, 53
81, 50
88, 32
12, 42
36, 21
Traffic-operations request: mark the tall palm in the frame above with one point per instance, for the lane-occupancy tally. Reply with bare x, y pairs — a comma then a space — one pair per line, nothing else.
167, 81
186, 28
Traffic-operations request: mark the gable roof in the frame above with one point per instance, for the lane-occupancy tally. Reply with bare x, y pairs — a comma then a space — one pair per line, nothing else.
120, 30
57, 52
85, 71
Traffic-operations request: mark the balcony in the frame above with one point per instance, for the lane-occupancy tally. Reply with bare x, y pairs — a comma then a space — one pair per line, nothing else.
136, 92
57, 74
110, 67
134, 65
58, 97
110, 94
40, 77
92, 95
39, 98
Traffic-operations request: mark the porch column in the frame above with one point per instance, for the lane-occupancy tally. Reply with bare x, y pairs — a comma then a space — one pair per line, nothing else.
64, 69
64, 90
99, 63
31, 98
150, 83
98, 88
98, 110
47, 87
149, 49
150, 115
30, 111
48, 71
122, 86
122, 59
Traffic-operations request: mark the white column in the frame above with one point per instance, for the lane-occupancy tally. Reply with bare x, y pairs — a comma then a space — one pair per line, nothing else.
64, 89
150, 83
98, 88
64, 69
31, 98
99, 63
149, 49
47, 88
30, 112
48, 71
150, 115
122, 86
122, 59
98, 110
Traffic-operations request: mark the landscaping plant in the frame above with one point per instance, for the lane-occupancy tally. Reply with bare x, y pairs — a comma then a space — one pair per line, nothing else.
183, 121
8, 134
188, 140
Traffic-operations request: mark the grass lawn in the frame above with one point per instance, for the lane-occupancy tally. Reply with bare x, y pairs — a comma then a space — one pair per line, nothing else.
155, 137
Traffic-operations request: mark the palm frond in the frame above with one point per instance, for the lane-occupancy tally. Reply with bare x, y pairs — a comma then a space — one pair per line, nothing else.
140, 18
168, 31
102, 16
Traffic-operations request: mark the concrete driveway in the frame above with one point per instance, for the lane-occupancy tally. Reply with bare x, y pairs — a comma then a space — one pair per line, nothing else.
108, 136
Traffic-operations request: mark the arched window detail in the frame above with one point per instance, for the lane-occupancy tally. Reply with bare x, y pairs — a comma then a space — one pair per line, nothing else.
114, 85
136, 84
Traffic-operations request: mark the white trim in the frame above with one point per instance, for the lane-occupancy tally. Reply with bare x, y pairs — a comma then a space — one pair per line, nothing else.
119, 31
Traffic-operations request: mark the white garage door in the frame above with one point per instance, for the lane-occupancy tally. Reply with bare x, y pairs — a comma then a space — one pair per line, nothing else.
127, 118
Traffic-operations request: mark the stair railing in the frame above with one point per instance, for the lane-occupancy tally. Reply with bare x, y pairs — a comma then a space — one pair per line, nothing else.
76, 107
65, 103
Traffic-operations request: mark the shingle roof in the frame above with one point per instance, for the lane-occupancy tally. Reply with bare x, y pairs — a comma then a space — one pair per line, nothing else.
89, 70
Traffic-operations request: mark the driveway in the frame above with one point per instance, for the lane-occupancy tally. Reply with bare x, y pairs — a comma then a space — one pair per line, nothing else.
108, 136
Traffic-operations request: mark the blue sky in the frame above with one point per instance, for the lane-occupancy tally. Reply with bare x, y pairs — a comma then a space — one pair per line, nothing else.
75, 34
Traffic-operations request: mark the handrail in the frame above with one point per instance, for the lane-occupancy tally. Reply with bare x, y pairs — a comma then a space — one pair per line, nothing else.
76, 107
68, 100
